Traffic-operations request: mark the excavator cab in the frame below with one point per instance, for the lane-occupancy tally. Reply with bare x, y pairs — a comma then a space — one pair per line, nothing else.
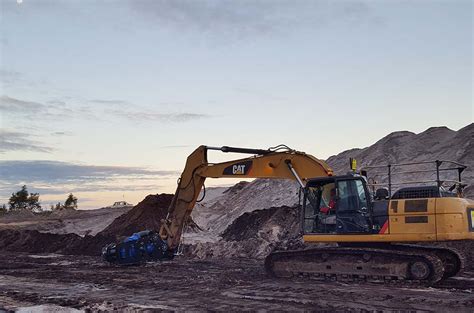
337, 205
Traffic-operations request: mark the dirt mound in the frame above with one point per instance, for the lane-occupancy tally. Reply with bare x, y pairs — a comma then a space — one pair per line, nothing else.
269, 224
218, 212
435, 143
145, 215
89, 245
254, 235
237, 187
33, 241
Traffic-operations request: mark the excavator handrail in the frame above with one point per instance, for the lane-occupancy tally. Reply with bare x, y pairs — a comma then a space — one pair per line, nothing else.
438, 163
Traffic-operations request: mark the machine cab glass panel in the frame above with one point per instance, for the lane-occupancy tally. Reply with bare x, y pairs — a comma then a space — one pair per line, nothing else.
336, 206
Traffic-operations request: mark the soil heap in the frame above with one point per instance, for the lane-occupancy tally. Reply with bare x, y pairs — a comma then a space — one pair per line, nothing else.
146, 215
269, 224
254, 235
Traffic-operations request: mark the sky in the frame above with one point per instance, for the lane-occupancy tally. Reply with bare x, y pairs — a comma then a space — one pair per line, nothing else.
106, 99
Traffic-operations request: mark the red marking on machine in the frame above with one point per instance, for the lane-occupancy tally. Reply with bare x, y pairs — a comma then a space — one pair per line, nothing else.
384, 228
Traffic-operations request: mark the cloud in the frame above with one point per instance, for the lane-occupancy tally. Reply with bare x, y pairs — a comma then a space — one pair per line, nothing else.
109, 102
155, 116
58, 109
61, 133
57, 172
32, 109
13, 105
237, 19
16, 141
55, 177
91, 187
209, 15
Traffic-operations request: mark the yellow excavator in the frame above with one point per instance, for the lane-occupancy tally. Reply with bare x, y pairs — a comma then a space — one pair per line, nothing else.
369, 227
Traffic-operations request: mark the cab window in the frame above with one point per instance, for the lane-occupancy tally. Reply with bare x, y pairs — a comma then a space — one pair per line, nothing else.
320, 208
353, 215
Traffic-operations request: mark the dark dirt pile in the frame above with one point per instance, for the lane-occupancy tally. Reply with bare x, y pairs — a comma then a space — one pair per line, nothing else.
281, 222
33, 241
254, 235
145, 215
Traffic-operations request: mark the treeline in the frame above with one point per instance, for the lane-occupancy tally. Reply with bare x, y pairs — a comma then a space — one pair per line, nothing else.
22, 200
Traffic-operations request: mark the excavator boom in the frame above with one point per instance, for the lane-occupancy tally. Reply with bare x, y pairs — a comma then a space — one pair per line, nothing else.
281, 162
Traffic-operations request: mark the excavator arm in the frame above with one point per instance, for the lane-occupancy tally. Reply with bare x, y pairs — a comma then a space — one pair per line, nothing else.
279, 162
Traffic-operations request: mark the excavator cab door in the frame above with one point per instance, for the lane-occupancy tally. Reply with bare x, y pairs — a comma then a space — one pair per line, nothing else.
352, 209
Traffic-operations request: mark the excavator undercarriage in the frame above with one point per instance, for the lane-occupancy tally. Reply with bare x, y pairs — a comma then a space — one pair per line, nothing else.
372, 263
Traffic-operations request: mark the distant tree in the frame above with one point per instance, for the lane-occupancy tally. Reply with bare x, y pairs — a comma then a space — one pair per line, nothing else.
33, 203
3, 209
71, 202
19, 200
22, 201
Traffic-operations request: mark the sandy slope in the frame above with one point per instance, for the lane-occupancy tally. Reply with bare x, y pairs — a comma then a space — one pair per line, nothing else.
79, 222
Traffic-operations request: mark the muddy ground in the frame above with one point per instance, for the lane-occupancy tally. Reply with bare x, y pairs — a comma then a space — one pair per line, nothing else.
195, 285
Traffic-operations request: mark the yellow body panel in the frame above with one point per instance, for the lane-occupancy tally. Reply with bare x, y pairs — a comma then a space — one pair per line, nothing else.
399, 214
441, 219
453, 220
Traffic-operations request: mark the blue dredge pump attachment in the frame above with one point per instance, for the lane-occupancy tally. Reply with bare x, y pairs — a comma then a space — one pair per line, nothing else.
139, 248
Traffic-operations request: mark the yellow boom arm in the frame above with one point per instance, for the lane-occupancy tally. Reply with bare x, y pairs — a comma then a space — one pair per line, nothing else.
264, 164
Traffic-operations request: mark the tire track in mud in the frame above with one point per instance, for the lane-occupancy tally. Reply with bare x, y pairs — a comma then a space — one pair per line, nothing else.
184, 284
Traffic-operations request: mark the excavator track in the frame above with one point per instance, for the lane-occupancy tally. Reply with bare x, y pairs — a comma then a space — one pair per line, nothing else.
357, 265
453, 260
